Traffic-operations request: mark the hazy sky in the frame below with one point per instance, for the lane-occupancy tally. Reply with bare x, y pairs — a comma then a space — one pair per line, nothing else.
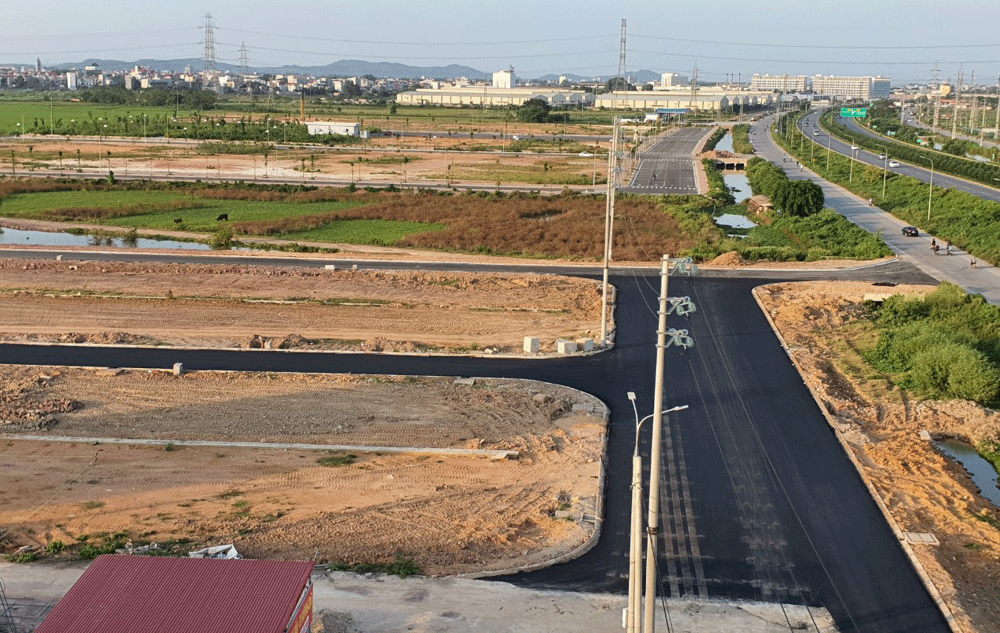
892, 38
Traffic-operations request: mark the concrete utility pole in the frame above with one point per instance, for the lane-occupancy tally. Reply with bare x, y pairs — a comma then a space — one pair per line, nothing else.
975, 101
652, 525
954, 115
996, 130
609, 218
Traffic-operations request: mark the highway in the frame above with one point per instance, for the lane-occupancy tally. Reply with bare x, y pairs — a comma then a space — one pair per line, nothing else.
760, 501
984, 279
921, 173
668, 167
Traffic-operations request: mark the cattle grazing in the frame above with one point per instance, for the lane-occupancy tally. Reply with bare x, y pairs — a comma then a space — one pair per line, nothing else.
178, 220
223, 216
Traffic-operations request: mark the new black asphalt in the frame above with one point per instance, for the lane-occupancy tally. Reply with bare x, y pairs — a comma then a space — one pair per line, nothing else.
758, 499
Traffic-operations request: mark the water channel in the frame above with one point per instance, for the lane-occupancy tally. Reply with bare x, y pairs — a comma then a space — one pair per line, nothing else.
47, 238
982, 472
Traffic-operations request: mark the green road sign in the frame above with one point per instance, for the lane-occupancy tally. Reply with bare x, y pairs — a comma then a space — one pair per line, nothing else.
856, 113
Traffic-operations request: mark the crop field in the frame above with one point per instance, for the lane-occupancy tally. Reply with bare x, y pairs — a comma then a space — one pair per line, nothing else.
546, 172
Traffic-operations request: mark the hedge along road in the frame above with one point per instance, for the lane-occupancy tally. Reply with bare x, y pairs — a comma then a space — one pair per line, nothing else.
984, 279
759, 501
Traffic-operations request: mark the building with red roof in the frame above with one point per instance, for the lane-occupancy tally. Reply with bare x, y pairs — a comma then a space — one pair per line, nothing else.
154, 594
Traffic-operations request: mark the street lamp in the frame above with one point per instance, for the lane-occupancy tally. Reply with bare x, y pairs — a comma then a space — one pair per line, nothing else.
854, 147
930, 190
885, 167
634, 617
829, 137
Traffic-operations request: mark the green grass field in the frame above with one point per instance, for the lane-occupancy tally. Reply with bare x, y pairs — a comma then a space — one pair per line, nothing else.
378, 232
200, 217
158, 210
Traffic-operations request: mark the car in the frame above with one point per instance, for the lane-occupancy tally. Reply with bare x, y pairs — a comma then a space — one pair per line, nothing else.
911, 231
854, 147
893, 163
815, 132
586, 155
882, 156
516, 137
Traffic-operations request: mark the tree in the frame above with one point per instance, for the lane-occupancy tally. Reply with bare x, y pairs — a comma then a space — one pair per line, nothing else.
800, 198
534, 111
350, 90
618, 83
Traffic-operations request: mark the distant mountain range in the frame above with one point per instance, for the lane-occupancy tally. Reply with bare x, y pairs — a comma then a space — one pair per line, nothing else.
342, 68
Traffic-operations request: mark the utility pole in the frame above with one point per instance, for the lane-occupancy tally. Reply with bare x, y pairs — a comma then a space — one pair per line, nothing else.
609, 219
954, 115
996, 130
975, 99
652, 525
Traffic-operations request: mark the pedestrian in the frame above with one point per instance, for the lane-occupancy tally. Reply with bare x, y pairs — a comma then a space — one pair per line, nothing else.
972, 263
935, 248
869, 202
948, 250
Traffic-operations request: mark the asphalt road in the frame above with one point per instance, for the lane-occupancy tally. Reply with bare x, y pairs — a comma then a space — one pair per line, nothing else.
759, 500
984, 279
921, 173
668, 167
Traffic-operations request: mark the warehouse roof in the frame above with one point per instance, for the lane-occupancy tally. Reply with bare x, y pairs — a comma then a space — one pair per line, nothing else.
179, 595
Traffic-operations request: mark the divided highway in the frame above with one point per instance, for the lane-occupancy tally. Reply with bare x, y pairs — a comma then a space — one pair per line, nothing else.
760, 501
669, 166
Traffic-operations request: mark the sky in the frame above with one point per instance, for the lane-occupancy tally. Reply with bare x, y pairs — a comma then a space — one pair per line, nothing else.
891, 38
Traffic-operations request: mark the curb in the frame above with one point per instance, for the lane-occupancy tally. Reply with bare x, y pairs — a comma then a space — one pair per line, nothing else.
907, 549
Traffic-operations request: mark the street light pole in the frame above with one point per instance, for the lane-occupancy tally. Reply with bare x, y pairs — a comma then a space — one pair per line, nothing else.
853, 145
930, 190
885, 168
829, 138
634, 612
652, 522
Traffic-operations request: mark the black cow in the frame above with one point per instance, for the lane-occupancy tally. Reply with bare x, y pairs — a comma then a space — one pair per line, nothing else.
223, 216
178, 220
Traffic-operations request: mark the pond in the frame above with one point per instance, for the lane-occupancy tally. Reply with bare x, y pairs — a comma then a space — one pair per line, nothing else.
46, 238
982, 472
725, 144
739, 185
734, 221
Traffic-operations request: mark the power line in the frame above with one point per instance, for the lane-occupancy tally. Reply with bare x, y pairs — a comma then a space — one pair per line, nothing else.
806, 61
817, 46
436, 43
418, 57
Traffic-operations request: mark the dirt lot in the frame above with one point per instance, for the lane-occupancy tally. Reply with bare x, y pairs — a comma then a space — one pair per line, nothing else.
294, 307
452, 514
449, 513
924, 491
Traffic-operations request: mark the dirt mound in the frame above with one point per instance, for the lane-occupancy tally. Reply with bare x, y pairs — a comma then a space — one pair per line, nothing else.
24, 405
732, 258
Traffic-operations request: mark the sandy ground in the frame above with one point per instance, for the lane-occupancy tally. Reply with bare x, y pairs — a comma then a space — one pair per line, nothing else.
924, 491
376, 160
450, 513
302, 308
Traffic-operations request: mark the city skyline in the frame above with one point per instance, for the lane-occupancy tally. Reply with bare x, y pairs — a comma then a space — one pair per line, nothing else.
897, 40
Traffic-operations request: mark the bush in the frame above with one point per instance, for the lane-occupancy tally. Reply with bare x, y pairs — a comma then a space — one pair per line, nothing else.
222, 239
957, 371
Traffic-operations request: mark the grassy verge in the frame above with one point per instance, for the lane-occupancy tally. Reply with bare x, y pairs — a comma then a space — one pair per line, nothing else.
969, 222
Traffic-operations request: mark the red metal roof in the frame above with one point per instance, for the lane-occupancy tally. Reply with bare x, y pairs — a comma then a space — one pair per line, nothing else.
147, 594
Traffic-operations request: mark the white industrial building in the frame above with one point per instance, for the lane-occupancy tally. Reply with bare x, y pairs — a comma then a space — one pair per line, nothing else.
668, 80
705, 99
494, 97
781, 83
503, 79
852, 88
333, 127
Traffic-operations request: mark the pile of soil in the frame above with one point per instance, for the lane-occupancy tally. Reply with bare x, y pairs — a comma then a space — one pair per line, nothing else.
732, 258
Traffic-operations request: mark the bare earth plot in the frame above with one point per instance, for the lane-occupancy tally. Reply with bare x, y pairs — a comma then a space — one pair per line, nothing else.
449, 513
294, 307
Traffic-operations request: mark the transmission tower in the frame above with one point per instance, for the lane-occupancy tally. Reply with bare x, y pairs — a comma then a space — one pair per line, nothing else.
244, 66
936, 73
621, 70
694, 86
209, 44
